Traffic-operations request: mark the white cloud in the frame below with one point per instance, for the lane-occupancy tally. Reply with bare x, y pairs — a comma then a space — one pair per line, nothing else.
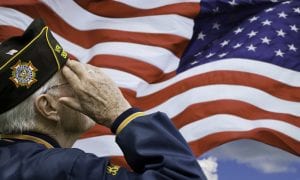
257, 155
209, 166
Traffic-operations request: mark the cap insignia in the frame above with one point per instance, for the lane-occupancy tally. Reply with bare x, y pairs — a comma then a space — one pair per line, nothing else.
23, 74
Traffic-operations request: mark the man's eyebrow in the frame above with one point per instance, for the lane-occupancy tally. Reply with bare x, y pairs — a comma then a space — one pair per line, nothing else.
54, 86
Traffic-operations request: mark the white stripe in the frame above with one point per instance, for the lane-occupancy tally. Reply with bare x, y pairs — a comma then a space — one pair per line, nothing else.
11, 17
260, 99
285, 76
156, 56
159, 57
99, 145
148, 4
123, 79
280, 74
228, 123
81, 19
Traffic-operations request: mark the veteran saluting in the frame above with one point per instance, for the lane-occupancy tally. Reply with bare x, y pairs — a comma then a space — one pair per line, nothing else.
48, 101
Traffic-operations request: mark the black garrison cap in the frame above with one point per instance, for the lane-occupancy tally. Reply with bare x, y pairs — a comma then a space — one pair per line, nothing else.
27, 62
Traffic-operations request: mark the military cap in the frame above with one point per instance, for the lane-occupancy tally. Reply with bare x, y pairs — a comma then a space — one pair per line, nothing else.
27, 62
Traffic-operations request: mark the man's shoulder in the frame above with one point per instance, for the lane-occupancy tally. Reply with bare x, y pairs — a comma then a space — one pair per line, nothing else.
30, 151
58, 154
36, 161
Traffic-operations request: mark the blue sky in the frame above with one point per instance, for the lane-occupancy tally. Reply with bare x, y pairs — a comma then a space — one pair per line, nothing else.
230, 170
247, 159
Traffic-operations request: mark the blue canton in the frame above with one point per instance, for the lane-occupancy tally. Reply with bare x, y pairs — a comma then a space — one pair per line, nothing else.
262, 30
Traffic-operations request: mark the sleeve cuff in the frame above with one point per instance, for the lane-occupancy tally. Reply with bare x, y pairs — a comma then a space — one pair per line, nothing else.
124, 119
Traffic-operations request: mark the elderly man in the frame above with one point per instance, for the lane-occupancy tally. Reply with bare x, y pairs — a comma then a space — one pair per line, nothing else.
48, 101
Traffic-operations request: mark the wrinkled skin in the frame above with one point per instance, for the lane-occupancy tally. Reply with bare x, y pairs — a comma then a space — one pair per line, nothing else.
97, 95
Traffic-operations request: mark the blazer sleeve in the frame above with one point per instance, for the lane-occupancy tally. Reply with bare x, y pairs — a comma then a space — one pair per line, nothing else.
153, 148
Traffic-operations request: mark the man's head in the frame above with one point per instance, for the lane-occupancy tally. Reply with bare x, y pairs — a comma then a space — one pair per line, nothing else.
56, 115
42, 112
31, 84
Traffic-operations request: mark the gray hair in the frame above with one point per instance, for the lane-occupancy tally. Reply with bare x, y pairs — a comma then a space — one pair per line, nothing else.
23, 116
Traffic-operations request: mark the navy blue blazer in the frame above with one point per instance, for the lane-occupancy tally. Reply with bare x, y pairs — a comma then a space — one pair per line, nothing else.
152, 146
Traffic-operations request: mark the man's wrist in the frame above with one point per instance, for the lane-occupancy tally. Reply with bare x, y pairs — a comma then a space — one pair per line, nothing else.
123, 119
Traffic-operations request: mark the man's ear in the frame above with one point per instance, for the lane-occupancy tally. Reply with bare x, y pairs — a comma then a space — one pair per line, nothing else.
47, 106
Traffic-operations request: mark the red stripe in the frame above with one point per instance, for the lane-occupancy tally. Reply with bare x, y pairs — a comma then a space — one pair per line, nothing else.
173, 43
16, 2
112, 9
273, 87
237, 108
267, 136
8, 31
203, 110
146, 71
97, 130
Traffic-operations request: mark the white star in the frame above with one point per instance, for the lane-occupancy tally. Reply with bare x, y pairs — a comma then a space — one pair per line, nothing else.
238, 30
282, 15
232, 3
279, 53
225, 43
266, 40
281, 33
294, 28
216, 26
201, 35
194, 62
292, 47
255, 18
287, 2
223, 55
274, 1
216, 10
252, 34
238, 45
297, 10
210, 55
199, 53
269, 9
251, 48
266, 23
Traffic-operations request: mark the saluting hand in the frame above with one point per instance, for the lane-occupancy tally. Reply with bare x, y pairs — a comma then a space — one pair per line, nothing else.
97, 95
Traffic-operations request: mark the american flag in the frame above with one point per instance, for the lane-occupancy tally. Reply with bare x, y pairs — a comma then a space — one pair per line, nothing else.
222, 70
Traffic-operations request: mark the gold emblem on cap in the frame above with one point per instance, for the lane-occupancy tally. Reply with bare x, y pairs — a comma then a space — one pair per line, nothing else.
23, 74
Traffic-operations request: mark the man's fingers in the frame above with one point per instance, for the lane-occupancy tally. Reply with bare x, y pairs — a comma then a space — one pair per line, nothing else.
94, 68
71, 102
77, 68
70, 76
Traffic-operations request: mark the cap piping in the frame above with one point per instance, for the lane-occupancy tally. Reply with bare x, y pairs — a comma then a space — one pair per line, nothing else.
49, 44
12, 58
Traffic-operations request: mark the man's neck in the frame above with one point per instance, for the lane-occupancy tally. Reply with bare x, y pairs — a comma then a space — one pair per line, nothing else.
65, 140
